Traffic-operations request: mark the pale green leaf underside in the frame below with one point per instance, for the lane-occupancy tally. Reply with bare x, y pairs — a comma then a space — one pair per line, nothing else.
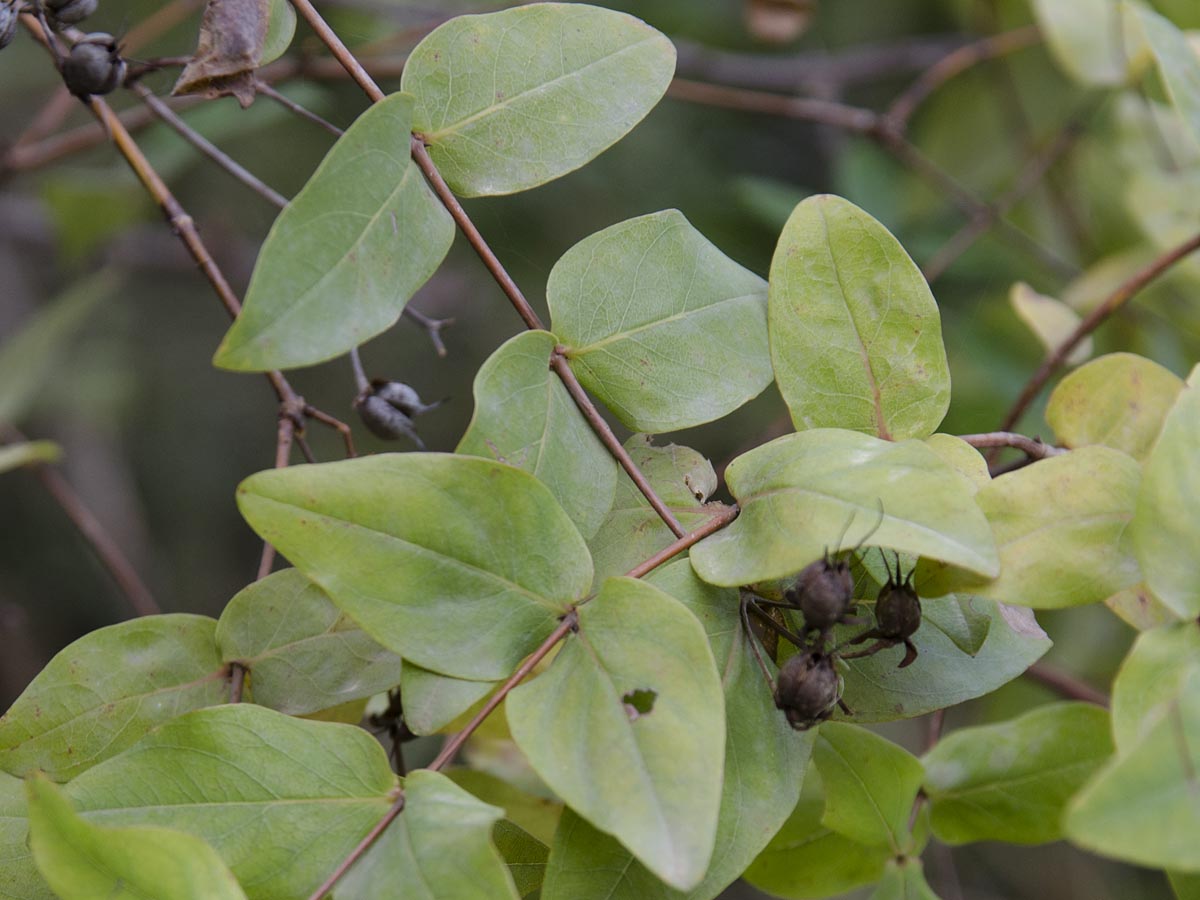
525, 417
281, 28
856, 339
513, 99
798, 492
1085, 37
303, 654
1177, 62
1011, 781
81, 861
21, 880
621, 770
659, 324
1061, 529
432, 701
1119, 400
420, 550
1167, 519
1155, 670
282, 800
100, 694
439, 848
346, 254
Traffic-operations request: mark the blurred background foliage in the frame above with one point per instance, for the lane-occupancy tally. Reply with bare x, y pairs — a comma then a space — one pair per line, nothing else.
155, 439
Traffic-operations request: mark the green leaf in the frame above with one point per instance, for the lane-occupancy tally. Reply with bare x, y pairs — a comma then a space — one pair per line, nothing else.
496, 559
1142, 806
1051, 321
1061, 527
281, 28
808, 860
1139, 608
1011, 781
537, 816
28, 453
613, 754
27, 359
1085, 37
856, 340
798, 492
1155, 670
100, 694
1166, 521
943, 674
904, 880
20, 878
659, 324
1177, 61
1119, 400
432, 701
282, 800
82, 861
961, 617
525, 417
633, 531
1185, 886
961, 457
439, 847
302, 652
870, 785
586, 864
345, 256
524, 855
513, 99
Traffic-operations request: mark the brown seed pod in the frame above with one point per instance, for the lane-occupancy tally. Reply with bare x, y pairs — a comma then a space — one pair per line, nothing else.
8, 23
807, 689
897, 618
388, 410
69, 12
823, 593
94, 66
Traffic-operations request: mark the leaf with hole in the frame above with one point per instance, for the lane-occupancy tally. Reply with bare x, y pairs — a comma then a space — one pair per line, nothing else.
81, 861
415, 546
1166, 520
282, 800
303, 654
439, 847
1119, 400
659, 324
856, 339
798, 492
525, 417
618, 767
510, 100
100, 694
1011, 781
345, 256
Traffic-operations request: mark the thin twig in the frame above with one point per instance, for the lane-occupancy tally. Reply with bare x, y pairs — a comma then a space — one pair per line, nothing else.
340, 52
363, 846
360, 375
724, 515
337, 424
288, 103
237, 681
954, 64
207, 148
283, 452
433, 328
839, 115
1033, 447
1118, 298
1066, 685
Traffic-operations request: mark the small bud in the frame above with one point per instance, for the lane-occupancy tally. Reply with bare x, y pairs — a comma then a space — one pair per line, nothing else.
94, 66
807, 689
69, 12
823, 592
8, 23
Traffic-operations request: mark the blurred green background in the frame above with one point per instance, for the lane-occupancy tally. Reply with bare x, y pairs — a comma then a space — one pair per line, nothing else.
156, 439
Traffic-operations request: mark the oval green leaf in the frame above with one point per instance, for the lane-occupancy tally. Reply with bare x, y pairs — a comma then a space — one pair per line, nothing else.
1177, 61
281, 800
603, 727
440, 847
1157, 667
870, 785
525, 417
345, 256
1061, 527
21, 879
81, 861
1011, 781
659, 324
432, 701
856, 339
462, 565
1119, 400
100, 694
1167, 521
798, 492
303, 654
1085, 38
510, 100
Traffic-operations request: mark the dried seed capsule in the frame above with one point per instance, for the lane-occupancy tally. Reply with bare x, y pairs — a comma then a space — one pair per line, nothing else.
807, 689
94, 66
69, 12
401, 396
823, 592
386, 421
898, 611
8, 23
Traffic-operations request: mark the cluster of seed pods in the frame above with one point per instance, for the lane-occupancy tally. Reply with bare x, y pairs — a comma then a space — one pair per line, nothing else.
93, 65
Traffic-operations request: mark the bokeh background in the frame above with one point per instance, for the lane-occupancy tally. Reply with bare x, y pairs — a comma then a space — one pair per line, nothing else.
156, 439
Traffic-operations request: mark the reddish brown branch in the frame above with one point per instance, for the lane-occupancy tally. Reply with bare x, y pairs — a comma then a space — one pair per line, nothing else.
1066, 685
1118, 298
237, 682
363, 846
1034, 448
724, 515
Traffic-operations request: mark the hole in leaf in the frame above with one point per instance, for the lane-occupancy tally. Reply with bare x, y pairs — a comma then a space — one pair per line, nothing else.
639, 702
